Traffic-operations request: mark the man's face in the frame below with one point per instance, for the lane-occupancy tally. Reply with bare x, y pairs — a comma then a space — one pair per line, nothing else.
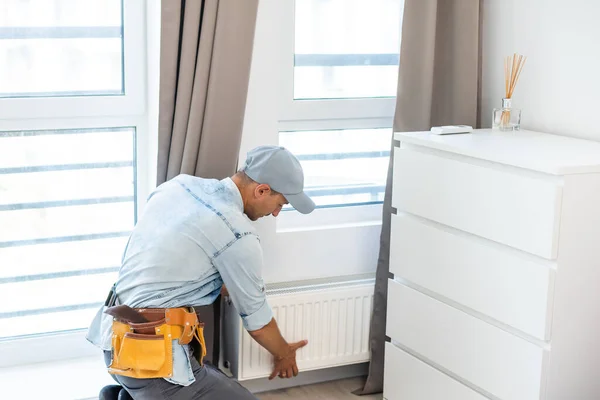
264, 202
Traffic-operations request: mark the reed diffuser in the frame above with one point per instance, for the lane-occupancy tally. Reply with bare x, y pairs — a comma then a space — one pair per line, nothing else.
508, 118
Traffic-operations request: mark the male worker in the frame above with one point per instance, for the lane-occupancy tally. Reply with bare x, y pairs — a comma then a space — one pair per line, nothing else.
195, 237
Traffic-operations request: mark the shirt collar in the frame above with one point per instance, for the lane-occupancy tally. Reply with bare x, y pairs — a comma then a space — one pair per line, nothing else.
235, 193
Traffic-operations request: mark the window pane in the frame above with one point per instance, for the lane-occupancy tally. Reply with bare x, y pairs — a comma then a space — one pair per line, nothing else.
60, 259
67, 205
59, 293
29, 150
342, 167
61, 47
346, 48
57, 185
52, 222
35, 324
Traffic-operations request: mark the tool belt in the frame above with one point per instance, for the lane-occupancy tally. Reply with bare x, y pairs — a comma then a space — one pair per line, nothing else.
142, 340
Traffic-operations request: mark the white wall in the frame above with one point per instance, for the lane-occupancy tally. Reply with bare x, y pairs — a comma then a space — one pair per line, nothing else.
559, 88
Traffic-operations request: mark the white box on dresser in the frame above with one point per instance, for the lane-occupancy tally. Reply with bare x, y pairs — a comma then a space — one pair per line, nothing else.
495, 256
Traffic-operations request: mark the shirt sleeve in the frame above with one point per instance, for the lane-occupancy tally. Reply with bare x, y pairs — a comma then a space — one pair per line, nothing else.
240, 267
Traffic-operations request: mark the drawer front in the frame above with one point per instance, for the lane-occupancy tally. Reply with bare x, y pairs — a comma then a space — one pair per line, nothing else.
518, 211
506, 286
501, 364
407, 378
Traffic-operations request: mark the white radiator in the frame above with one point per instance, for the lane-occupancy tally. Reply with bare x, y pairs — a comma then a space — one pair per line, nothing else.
333, 316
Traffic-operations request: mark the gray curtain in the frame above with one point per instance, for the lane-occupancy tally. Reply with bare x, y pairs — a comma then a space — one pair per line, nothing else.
206, 50
438, 84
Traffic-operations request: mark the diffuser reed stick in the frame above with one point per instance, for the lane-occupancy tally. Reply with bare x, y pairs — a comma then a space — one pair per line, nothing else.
512, 71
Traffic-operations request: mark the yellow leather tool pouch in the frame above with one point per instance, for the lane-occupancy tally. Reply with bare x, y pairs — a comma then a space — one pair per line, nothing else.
142, 340
139, 355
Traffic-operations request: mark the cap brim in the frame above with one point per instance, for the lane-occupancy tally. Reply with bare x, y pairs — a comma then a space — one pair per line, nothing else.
301, 202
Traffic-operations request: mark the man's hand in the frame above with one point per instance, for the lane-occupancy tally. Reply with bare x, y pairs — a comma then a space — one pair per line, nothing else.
285, 367
270, 338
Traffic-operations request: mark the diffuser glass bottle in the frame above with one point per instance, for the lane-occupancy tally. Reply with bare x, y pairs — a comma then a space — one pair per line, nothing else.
508, 118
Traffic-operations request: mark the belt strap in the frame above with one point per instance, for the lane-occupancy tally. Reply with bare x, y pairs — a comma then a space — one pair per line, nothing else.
147, 319
185, 317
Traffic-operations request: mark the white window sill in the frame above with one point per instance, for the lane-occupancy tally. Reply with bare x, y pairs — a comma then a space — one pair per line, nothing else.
77, 378
330, 218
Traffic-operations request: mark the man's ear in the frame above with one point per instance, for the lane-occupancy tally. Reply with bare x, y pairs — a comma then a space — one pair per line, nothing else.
262, 190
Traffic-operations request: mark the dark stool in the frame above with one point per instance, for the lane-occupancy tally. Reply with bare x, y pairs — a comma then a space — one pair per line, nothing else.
114, 392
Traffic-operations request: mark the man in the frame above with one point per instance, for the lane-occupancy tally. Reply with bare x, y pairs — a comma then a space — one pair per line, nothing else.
195, 238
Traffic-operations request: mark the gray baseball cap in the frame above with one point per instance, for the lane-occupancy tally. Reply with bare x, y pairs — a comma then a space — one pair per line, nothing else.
277, 167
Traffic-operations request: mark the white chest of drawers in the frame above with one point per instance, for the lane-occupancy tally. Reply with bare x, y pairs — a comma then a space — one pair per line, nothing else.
495, 256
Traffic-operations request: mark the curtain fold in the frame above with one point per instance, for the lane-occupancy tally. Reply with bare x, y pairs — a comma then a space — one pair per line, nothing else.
206, 52
438, 84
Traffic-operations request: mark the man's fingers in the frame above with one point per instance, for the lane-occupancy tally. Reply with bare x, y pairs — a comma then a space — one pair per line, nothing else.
274, 373
284, 375
299, 345
290, 370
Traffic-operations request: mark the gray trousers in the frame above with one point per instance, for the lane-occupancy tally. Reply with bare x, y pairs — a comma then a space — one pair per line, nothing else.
210, 384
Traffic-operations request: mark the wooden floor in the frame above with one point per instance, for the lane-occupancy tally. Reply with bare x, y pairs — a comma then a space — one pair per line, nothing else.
335, 390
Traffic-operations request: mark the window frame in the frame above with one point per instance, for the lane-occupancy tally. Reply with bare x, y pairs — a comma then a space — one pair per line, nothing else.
131, 102
71, 344
138, 109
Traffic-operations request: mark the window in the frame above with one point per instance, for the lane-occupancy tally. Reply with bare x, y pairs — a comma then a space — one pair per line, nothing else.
66, 58
307, 93
73, 159
61, 48
342, 167
338, 96
346, 48
67, 204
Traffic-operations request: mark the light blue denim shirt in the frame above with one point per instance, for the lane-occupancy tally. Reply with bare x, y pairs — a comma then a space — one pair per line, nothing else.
192, 238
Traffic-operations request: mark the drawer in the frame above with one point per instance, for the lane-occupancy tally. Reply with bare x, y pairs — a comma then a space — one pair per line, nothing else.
520, 211
498, 362
407, 378
508, 286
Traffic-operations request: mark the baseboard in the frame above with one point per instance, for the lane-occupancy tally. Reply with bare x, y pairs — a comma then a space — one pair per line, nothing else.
307, 378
